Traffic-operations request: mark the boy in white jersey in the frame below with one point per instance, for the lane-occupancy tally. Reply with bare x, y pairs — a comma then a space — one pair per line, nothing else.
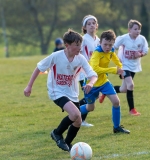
62, 84
89, 43
132, 46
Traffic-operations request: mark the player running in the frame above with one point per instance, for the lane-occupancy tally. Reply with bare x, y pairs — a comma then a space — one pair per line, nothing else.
62, 85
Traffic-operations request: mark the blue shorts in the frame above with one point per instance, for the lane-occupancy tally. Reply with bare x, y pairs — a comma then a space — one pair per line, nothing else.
106, 89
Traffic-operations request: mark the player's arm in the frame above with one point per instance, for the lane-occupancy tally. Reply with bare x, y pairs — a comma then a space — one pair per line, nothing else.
119, 41
144, 49
94, 62
91, 75
42, 66
27, 90
90, 84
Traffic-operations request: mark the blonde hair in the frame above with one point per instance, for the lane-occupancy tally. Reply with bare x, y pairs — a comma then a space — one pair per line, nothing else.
132, 22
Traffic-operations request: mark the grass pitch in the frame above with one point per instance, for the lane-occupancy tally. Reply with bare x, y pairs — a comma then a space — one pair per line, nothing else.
26, 122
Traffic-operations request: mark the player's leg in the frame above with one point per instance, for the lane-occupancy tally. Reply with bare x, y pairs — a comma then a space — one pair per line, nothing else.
82, 102
84, 116
129, 92
130, 96
128, 87
73, 118
116, 114
122, 88
109, 90
90, 100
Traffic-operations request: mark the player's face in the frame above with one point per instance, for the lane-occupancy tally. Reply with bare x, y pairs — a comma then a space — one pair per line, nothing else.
74, 48
91, 26
134, 31
107, 45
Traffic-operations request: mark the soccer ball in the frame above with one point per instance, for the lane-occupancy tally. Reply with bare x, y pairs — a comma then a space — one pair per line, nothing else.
81, 151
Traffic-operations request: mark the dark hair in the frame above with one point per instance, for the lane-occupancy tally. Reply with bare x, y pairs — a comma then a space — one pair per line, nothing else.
58, 41
132, 22
71, 36
108, 35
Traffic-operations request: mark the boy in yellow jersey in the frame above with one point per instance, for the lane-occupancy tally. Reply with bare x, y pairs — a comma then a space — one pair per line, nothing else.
99, 61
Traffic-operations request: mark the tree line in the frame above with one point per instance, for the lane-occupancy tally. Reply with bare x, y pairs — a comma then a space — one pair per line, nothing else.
37, 23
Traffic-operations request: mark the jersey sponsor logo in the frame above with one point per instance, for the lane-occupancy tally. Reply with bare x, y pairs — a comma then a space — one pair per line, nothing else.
130, 54
64, 79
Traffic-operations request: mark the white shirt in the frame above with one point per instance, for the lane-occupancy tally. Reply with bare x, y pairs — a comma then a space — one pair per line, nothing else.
128, 48
88, 46
62, 79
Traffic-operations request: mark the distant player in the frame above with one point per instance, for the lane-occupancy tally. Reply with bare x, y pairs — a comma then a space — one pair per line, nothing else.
132, 46
89, 43
59, 44
62, 84
99, 61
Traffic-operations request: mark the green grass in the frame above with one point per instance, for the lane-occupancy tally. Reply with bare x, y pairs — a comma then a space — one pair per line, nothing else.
26, 122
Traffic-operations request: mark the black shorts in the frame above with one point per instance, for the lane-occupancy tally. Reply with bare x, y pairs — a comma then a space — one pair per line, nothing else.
128, 74
63, 100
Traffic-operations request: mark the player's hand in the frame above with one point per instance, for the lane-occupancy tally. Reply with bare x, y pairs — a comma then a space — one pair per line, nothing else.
27, 91
120, 72
87, 88
137, 55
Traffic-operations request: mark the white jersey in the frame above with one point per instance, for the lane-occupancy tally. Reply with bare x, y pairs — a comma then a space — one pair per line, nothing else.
87, 47
127, 48
62, 79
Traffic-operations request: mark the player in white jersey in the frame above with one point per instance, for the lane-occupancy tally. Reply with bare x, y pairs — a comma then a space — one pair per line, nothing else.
89, 43
62, 84
132, 46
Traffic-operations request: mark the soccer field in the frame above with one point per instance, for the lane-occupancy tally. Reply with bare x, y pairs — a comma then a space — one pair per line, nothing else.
26, 122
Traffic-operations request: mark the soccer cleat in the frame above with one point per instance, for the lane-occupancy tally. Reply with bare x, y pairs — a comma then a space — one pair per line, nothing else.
134, 112
85, 124
120, 129
59, 141
70, 146
101, 98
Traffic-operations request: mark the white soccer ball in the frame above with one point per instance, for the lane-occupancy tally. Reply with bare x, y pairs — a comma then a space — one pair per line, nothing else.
81, 151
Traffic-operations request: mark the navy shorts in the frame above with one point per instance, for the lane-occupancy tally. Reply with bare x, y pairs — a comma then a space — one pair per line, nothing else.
63, 100
128, 74
106, 89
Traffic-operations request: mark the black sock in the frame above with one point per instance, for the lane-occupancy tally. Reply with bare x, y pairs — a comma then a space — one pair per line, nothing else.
65, 123
72, 132
82, 101
84, 117
117, 89
130, 99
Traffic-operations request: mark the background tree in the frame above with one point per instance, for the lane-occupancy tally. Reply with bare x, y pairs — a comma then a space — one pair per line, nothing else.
33, 25
144, 20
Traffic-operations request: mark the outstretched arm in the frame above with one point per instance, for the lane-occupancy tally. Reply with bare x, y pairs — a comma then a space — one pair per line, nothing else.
27, 90
89, 86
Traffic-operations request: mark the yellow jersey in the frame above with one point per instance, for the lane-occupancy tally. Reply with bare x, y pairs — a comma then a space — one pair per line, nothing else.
100, 60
